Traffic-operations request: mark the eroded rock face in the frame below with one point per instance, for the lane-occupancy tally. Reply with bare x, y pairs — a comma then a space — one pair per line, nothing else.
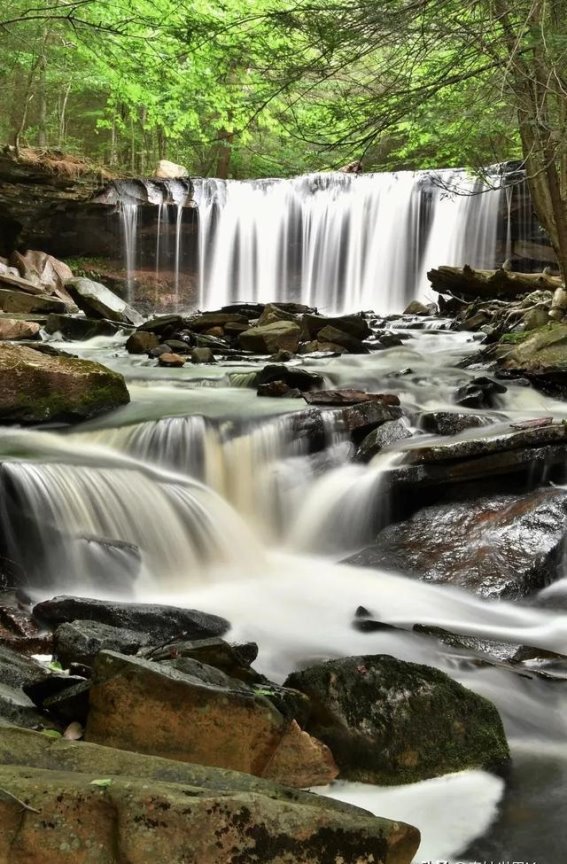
172, 812
504, 546
35, 387
390, 722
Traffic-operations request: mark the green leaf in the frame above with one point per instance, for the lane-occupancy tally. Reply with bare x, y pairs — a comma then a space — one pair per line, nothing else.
103, 783
52, 733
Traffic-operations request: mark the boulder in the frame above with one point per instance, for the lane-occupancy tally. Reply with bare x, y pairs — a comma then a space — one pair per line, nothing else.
358, 420
541, 357
481, 392
416, 308
301, 761
207, 320
384, 436
161, 623
202, 355
330, 335
18, 303
185, 710
162, 325
103, 806
141, 342
98, 301
499, 546
293, 376
389, 722
354, 325
17, 672
45, 270
14, 328
76, 329
82, 641
272, 312
167, 170
35, 388
280, 335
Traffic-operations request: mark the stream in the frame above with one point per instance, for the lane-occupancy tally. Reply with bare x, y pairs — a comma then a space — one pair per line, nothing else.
234, 516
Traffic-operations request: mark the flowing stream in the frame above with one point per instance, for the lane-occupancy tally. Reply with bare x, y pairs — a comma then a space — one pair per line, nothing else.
232, 513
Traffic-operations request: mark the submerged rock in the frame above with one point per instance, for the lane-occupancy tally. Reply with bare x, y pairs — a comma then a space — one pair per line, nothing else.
481, 392
35, 387
98, 301
504, 546
186, 814
390, 722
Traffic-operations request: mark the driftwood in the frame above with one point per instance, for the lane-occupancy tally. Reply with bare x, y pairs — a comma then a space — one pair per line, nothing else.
469, 284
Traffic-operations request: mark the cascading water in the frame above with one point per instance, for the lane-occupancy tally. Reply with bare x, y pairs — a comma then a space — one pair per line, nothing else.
340, 241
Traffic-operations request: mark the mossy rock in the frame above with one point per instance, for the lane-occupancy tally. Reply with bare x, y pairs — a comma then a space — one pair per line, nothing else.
391, 722
35, 387
541, 356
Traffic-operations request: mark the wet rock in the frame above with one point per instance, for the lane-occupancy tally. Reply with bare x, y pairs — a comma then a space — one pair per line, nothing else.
281, 357
360, 419
384, 436
82, 641
309, 427
14, 328
234, 660
390, 722
98, 301
202, 355
180, 346
354, 325
207, 320
172, 361
233, 329
293, 376
500, 546
35, 388
76, 329
349, 397
70, 705
251, 311
162, 325
390, 340
16, 672
280, 335
52, 685
451, 422
161, 349
185, 710
301, 761
18, 630
161, 623
272, 312
278, 390
334, 336
481, 392
141, 342
174, 807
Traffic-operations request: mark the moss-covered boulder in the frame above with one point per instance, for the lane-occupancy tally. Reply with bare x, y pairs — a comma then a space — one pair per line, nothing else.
35, 387
95, 805
541, 357
390, 722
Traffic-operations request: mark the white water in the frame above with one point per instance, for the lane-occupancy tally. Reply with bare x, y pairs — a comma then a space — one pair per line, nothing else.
339, 241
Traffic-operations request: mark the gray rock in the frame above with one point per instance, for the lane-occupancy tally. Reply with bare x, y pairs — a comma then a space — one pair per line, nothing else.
81, 641
76, 329
452, 422
202, 355
384, 436
97, 300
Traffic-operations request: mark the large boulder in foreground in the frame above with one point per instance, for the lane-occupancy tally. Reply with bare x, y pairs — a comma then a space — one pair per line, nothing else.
390, 722
105, 806
499, 546
35, 387
191, 712
98, 301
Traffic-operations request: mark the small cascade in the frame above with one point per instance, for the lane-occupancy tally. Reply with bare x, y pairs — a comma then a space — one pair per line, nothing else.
129, 217
79, 494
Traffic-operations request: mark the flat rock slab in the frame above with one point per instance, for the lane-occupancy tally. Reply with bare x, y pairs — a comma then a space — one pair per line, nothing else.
349, 397
72, 819
20, 303
98, 301
501, 546
156, 622
35, 387
391, 722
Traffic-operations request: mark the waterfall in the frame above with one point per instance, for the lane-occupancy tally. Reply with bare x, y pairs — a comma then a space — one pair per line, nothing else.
340, 241
129, 217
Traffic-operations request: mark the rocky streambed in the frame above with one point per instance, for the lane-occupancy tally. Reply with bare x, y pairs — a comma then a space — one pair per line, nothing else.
233, 458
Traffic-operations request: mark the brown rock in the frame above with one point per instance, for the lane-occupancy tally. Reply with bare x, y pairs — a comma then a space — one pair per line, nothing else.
279, 389
171, 360
216, 332
335, 336
17, 302
301, 761
13, 328
280, 335
348, 397
141, 342
150, 708
355, 325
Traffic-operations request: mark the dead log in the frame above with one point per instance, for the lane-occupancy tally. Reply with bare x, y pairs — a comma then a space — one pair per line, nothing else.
468, 284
